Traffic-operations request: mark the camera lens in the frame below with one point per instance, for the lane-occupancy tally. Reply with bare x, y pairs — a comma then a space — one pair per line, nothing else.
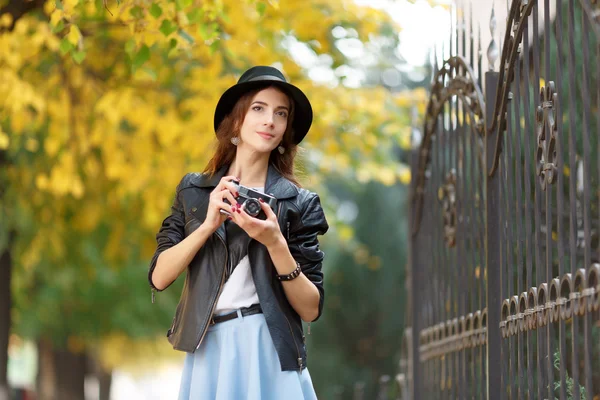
252, 207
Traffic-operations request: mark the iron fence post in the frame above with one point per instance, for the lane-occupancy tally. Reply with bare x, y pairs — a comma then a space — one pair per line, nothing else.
492, 247
413, 291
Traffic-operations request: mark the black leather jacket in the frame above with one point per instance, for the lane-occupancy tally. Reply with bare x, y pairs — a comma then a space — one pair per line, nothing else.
301, 219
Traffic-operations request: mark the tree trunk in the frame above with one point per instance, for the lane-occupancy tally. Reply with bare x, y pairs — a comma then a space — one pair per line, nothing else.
103, 375
5, 294
17, 9
105, 381
46, 379
70, 378
61, 374
5, 305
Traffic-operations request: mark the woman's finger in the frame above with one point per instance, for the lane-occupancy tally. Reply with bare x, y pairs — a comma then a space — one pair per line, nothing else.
267, 209
232, 188
244, 218
221, 195
224, 180
236, 216
224, 206
227, 195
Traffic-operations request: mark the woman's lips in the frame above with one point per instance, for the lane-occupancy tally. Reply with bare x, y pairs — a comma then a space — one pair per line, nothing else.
265, 135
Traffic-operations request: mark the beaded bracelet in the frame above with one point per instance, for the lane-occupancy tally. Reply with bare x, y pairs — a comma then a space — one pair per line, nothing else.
294, 274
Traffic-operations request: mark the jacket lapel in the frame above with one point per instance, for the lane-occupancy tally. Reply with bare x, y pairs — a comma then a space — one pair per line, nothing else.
206, 181
278, 186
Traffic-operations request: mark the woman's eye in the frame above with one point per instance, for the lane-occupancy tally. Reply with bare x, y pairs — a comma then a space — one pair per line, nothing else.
257, 108
282, 114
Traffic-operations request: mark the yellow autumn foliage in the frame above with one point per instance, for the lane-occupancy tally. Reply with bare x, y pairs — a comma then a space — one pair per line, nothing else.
102, 111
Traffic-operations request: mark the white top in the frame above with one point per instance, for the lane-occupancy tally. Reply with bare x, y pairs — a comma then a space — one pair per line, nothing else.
239, 290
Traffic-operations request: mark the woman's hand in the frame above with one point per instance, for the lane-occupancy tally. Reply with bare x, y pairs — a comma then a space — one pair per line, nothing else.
265, 231
225, 190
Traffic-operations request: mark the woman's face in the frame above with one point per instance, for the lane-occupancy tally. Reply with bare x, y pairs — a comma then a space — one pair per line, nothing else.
265, 121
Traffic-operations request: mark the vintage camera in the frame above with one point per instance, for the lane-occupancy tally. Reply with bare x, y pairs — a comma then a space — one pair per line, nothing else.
249, 199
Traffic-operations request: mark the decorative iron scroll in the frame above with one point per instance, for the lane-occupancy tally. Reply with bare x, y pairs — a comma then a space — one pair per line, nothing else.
457, 334
561, 299
455, 78
520, 10
447, 196
546, 130
592, 10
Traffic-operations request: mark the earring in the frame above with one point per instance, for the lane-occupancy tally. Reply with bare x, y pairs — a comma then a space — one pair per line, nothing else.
281, 149
235, 140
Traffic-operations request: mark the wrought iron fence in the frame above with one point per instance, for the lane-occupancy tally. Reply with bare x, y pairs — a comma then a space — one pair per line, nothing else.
505, 255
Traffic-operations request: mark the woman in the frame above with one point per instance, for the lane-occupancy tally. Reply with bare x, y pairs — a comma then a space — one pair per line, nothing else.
249, 281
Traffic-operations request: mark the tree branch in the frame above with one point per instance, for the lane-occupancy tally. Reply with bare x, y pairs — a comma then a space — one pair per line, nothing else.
18, 8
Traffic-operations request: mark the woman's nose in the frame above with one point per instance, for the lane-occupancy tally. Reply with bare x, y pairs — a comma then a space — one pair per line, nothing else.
269, 119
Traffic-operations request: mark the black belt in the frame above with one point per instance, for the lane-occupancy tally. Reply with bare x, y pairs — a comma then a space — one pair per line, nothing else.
246, 311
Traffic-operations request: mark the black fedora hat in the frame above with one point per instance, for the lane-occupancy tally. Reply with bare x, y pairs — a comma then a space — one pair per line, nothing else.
263, 76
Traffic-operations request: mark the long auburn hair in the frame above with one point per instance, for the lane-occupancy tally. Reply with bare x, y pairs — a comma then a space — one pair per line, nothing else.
230, 128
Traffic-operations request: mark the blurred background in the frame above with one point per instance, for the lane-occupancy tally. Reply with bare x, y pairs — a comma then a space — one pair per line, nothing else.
106, 104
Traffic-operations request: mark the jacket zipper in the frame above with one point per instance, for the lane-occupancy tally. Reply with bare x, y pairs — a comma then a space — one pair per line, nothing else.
212, 310
300, 364
278, 210
295, 344
170, 331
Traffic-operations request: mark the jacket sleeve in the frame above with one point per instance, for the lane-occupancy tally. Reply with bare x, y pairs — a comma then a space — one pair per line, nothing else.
170, 233
304, 244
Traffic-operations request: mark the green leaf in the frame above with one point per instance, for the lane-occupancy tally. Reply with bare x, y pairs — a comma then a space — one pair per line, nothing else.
195, 15
186, 36
173, 43
215, 28
59, 5
141, 57
65, 46
59, 27
216, 45
130, 47
203, 30
167, 27
136, 12
150, 73
181, 4
261, 8
209, 31
155, 10
78, 56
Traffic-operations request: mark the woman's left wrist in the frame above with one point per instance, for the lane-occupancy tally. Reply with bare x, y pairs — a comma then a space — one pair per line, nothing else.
278, 244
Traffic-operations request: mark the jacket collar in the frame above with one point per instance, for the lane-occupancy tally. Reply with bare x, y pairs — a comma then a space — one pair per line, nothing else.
276, 185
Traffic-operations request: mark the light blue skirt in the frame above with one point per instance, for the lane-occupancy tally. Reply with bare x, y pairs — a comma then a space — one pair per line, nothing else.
238, 361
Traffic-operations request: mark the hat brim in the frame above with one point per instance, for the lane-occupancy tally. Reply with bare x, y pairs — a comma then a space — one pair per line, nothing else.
303, 113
